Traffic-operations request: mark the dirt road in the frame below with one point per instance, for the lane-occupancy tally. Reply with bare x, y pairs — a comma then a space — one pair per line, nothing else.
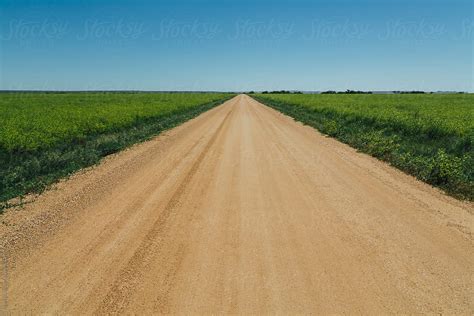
241, 210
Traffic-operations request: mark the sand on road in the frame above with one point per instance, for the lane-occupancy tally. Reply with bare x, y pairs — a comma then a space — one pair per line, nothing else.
240, 210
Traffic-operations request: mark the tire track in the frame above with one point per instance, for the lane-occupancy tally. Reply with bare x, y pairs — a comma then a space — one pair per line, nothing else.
116, 299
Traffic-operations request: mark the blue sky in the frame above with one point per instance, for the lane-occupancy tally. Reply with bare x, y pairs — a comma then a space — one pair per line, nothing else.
237, 45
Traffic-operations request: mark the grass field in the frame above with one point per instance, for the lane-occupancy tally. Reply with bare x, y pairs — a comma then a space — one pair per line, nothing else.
45, 136
428, 136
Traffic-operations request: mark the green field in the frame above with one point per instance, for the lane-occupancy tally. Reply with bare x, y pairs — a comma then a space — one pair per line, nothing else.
430, 136
45, 136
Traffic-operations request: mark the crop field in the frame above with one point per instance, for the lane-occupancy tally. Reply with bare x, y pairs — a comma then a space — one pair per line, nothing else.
430, 136
44, 136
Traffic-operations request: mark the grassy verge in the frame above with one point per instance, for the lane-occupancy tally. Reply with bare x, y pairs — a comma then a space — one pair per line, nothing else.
25, 171
428, 150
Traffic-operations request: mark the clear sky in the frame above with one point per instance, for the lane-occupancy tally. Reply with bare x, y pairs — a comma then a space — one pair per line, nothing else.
237, 45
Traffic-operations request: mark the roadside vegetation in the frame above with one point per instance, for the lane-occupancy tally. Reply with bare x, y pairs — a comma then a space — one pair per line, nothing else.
430, 136
46, 136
